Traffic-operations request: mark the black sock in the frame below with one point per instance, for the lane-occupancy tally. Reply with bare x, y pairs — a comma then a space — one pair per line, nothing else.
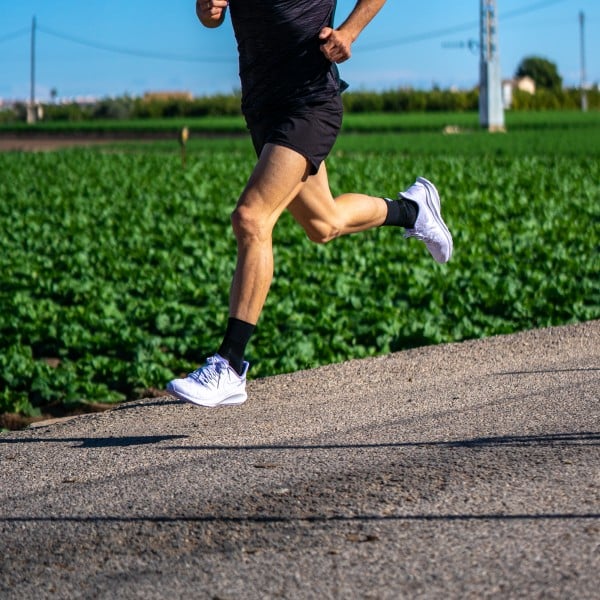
401, 213
237, 336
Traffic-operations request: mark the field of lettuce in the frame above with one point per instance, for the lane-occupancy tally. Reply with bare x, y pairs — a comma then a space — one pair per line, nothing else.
115, 263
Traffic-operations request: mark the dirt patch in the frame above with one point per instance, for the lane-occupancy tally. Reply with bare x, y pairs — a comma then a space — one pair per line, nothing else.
15, 421
46, 144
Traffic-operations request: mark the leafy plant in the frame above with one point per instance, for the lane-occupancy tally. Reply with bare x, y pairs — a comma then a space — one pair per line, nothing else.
115, 267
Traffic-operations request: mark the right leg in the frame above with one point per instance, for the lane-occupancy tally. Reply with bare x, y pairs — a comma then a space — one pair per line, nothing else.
417, 210
324, 217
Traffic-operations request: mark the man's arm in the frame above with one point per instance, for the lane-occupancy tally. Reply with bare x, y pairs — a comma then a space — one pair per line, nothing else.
336, 44
211, 12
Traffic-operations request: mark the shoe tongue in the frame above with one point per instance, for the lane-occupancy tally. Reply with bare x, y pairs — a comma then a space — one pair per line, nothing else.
219, 360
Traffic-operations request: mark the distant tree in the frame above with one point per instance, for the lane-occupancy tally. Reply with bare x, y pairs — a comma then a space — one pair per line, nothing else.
542, 71
114, 108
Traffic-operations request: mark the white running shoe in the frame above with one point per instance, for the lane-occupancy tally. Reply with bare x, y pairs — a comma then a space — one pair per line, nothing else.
213, 384
429, 226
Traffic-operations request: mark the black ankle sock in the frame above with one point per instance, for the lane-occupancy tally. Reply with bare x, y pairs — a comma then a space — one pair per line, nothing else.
401, 213
237, 336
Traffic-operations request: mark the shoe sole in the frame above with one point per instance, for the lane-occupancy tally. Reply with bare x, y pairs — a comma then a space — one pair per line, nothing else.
436, 208
234, 400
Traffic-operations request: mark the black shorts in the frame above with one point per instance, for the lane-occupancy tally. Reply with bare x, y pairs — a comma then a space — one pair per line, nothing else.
310, 130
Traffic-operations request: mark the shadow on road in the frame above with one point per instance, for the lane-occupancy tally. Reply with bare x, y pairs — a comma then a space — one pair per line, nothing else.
587, 438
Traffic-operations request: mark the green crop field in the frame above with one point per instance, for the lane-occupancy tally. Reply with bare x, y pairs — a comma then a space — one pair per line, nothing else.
115, 263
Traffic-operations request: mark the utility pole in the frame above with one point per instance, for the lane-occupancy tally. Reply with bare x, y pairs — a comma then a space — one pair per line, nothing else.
491, 110
31, 109
584, 100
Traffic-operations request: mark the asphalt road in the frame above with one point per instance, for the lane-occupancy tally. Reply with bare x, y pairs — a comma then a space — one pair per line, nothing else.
468, 470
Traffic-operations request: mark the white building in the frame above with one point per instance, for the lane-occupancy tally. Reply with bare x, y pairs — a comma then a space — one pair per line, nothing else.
525, 84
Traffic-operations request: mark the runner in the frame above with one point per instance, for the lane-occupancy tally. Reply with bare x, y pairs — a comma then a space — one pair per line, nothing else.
288, 52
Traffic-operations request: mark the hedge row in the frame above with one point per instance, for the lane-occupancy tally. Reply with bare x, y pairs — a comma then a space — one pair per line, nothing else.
401, 100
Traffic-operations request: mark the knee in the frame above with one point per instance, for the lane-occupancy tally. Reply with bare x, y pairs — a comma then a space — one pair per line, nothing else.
248, 224
321, 232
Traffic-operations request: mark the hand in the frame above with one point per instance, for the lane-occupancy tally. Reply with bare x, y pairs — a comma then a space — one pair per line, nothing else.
335, 44
211, 12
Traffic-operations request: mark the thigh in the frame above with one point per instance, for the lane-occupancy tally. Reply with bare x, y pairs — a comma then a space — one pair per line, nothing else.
310, 130
314, 201
324, 217
275, 181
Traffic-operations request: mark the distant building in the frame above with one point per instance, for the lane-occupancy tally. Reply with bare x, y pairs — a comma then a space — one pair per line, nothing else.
163, 96
524, 84
8, 104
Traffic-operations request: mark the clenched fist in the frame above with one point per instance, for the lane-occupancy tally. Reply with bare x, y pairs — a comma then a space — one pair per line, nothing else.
211, 12
335, 44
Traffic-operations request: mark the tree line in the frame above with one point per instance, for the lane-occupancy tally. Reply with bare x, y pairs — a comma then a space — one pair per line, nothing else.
392, 101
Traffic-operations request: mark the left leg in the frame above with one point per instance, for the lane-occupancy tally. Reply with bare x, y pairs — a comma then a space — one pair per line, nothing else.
276, 180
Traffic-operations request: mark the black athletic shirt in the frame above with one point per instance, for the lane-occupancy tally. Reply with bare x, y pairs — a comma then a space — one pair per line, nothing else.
281, 64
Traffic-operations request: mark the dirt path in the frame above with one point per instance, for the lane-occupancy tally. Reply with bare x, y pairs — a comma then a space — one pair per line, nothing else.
45, 144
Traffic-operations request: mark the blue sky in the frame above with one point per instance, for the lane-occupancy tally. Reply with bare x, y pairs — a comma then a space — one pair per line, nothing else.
113, 47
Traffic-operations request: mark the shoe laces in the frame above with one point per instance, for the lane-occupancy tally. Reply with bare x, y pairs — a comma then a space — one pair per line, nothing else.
209, 372
425, 234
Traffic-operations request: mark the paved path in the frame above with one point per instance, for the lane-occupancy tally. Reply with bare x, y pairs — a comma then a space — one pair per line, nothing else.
458, 471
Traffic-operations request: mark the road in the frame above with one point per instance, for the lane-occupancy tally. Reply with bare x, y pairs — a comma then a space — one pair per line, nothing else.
466, 470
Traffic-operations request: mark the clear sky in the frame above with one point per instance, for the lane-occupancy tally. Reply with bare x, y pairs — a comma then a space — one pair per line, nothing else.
113, 47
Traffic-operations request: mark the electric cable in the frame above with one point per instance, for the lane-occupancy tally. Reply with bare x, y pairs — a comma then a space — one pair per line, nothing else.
14, 34
131, 51
419, 37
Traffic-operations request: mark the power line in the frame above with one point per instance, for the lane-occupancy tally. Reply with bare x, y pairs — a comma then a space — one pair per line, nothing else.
430, 35
521, 11
131, 51
14, 34
419, 37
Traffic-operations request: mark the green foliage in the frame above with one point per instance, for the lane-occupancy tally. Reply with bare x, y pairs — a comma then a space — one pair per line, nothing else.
408, 100
550, 100
139, 113
115, 267
126, 108
565, 134
542, 71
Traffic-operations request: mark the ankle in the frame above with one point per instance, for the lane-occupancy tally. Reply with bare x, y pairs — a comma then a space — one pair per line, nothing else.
233, 347
401, 213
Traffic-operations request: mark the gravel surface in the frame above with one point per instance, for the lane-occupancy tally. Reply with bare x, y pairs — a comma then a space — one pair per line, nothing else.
465, 470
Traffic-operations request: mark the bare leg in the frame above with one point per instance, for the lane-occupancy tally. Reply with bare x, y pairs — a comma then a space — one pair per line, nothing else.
325, 218
280, 180
274, 183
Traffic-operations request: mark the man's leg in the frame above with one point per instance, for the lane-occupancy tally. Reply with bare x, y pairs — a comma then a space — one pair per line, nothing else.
280, 180
417, 209
276, 180
325, 218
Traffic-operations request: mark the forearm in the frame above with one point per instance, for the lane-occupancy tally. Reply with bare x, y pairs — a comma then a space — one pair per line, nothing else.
336, 44
360, 17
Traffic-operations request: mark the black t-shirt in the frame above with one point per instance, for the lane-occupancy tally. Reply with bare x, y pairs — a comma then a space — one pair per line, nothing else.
281, 64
